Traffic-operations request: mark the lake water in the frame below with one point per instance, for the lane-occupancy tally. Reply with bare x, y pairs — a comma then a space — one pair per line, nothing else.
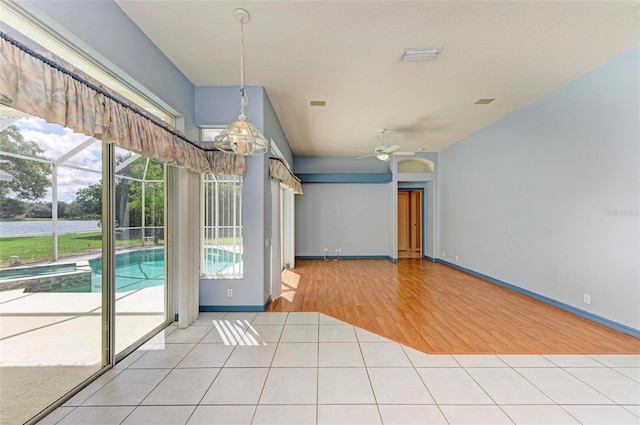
44, 227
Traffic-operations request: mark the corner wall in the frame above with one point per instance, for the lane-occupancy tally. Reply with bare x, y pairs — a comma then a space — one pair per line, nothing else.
547, 198
273, 130
218, 106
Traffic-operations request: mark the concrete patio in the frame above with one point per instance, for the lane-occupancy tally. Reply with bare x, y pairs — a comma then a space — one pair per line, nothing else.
50, 342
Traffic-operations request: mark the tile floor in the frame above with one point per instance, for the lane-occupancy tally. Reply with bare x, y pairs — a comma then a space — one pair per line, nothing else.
308, 368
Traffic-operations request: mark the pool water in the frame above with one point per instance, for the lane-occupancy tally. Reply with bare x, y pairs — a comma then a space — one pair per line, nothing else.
144, 269
217, 260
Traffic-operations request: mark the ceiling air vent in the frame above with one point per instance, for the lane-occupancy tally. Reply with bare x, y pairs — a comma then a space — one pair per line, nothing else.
484, 101
318, 103
416, 55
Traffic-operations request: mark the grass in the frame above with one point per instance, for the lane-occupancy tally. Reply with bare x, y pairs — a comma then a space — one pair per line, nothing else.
31, 249
223, 241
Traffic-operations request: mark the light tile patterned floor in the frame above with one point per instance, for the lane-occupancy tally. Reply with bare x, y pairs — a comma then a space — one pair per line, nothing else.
308, 368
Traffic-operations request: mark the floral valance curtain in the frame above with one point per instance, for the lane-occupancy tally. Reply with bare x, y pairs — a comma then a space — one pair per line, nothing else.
279, 171
38, 86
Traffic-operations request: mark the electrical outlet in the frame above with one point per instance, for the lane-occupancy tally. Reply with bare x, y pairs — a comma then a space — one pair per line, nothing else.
443, 254
457, 258
325, 250
587, 299
229, 292
339, 250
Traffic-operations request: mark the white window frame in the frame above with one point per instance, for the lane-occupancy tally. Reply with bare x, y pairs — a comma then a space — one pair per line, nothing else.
212, 231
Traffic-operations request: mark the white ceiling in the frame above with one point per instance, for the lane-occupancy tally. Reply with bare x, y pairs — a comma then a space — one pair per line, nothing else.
347, 53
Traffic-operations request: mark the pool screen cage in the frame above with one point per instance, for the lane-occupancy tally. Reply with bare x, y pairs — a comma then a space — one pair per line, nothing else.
70, 166
222, 227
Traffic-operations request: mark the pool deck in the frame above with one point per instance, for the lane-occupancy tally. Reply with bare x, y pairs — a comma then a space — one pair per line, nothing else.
50, 342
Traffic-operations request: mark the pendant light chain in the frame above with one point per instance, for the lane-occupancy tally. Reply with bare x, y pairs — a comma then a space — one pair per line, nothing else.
243, 95
241, 137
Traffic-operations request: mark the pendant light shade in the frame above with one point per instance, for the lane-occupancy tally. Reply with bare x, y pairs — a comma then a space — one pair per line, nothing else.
241, 137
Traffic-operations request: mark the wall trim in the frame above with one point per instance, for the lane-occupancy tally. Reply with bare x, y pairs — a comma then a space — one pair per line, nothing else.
426, 257
346, 178
566, 307
235, 308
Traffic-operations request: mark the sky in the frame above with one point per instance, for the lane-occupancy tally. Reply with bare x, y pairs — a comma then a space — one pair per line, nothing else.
56, 141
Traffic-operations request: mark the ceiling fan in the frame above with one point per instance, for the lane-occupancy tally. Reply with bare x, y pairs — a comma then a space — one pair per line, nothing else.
382, 152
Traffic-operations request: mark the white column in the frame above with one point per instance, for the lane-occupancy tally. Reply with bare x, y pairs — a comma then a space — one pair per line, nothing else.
276, 269
54, 210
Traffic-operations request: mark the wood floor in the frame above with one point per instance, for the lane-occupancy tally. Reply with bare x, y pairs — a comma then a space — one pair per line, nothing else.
437, 309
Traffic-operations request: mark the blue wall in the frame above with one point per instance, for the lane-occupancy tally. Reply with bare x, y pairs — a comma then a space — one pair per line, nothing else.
217, 106
359, 218
353, 217
547, 198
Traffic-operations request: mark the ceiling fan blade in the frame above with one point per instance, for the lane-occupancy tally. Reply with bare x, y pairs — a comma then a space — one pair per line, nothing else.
392, 148
366, 156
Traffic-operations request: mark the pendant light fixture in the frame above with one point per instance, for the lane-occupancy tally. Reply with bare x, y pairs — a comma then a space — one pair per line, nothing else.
241, 137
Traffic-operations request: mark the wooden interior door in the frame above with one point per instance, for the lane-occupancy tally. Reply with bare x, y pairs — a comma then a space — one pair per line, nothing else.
403, 221
415, 219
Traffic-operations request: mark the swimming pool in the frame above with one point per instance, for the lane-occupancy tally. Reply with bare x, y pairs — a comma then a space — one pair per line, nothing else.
144, 269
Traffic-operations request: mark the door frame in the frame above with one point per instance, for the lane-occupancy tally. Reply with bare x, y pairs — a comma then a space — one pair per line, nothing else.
422, 217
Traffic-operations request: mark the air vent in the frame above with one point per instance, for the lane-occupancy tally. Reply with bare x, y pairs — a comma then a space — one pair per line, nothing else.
318, 103
484, 101
416, 55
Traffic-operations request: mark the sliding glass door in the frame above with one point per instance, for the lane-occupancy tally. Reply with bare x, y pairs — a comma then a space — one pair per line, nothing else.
54, 274
139, 247
51, 309
82, 236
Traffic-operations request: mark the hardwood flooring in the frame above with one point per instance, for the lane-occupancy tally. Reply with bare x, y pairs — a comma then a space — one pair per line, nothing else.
409, 254
438, 309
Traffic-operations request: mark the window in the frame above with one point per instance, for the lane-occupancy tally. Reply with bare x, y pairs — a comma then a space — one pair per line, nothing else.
222, 238
275, 151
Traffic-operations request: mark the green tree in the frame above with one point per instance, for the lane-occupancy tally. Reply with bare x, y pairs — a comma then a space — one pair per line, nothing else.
63, 209
39, 210
74, 210
129, 182
147, 172
9, 208
30, 178
89, 200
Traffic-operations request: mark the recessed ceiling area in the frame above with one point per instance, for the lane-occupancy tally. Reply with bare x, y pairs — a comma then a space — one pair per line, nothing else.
348, 54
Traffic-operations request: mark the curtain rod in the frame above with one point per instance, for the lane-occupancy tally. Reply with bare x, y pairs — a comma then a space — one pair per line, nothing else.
285, 166
96, 88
